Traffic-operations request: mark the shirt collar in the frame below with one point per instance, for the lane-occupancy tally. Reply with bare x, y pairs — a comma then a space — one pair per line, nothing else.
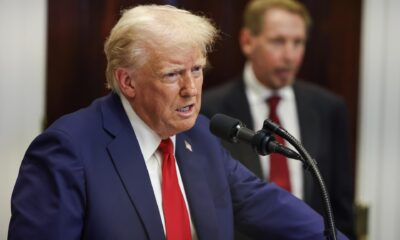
147, 138
257, 92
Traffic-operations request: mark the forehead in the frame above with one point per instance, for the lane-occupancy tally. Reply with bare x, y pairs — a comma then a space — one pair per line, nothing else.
280, 21
177, 56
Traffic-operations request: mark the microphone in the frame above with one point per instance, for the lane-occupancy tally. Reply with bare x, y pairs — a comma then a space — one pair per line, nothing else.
262, 142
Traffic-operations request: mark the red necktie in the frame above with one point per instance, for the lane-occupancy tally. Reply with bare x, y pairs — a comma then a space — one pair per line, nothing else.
175, 213
279, 172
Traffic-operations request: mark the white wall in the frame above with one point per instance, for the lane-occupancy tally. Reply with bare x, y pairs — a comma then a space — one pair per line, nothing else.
22, 78
379, 138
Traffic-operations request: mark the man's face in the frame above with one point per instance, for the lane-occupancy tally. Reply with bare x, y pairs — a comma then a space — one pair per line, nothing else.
167, 90
276, 53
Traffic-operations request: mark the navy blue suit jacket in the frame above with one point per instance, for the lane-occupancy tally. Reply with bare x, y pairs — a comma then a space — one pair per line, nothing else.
85, 178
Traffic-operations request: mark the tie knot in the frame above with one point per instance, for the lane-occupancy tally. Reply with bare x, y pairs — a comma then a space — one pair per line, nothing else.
166, 146
273, 102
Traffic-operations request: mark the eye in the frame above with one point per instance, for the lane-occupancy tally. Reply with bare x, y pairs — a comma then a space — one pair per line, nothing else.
277, 41
171, 76
299, 42
197, 71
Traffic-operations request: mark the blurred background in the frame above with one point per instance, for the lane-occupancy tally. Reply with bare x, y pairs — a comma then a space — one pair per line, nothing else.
52, 63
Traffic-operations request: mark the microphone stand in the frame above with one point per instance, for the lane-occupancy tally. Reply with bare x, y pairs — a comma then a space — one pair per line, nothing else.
310, 165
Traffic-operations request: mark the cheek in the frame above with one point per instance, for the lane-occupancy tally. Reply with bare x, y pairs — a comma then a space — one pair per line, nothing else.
199, 84
265, 56
299, 54
299, 58
153, 100
266, 60
164, 100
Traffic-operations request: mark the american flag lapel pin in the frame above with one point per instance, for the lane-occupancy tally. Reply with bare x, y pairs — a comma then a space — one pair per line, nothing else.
188, 146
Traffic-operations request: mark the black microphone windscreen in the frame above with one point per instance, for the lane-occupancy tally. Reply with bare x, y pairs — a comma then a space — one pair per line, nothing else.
224, 126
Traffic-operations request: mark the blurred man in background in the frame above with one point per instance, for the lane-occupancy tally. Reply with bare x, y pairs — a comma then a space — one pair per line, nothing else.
273, 39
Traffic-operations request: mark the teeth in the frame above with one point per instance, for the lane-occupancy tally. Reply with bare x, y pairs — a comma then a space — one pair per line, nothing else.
184, 109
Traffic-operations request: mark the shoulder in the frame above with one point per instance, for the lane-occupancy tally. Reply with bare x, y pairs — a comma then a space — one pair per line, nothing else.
83, 123
222, 91
315, 95
221, 97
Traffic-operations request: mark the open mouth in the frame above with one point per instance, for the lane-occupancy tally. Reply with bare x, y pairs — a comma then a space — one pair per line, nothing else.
185, 109
284, 73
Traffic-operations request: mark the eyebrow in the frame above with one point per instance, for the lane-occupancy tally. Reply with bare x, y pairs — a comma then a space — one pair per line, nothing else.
172, 67
180, 67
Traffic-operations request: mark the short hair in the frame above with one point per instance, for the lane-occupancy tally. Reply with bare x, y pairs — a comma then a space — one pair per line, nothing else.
255, 10
147, 28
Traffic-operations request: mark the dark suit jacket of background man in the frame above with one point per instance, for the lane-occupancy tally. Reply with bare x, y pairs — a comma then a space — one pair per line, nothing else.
85, 178
324, 133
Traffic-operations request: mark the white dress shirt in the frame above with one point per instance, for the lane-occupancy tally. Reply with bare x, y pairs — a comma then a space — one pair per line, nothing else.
149, 142
257, 94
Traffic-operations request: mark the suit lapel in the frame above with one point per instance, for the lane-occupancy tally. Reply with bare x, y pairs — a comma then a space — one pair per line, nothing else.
197, 191
237, 106
309, 125
130, 165
308, 119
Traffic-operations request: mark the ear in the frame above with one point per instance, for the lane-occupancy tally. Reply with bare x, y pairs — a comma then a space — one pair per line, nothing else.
246, 40
126, 82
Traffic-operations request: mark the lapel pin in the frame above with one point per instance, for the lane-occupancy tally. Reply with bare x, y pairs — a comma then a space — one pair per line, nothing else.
188, 146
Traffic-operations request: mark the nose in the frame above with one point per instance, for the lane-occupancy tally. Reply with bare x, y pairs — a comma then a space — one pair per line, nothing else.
289, 52
189, 88
293, 51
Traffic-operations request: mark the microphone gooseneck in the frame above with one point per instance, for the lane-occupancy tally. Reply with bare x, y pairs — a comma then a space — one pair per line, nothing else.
311, 165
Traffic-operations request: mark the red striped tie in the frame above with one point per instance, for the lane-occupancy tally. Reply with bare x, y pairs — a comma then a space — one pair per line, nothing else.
176, 216
279, 172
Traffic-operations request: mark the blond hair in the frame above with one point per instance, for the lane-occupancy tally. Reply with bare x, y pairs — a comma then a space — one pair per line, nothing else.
255, 10
147, 28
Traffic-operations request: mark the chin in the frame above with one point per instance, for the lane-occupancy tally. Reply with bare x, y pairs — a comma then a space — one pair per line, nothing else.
189, 124
282, 84
183, 126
